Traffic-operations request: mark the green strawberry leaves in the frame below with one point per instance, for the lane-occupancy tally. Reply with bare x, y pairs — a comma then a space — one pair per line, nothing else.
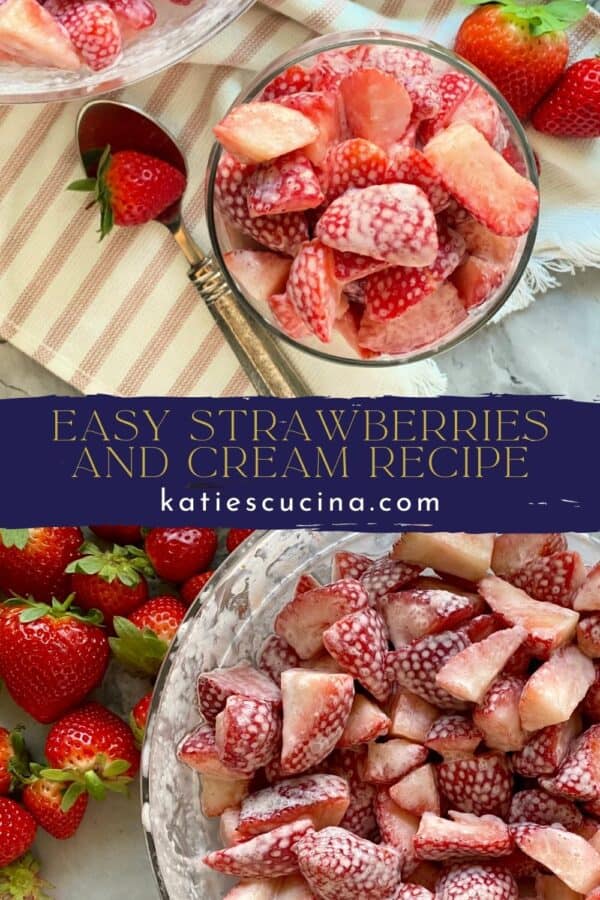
106, 776
139, 650
20, 880
547, 18
127, 564
14, 537
101, 192
57, 610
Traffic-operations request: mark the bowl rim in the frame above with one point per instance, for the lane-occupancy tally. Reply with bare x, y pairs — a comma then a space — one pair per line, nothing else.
339, 40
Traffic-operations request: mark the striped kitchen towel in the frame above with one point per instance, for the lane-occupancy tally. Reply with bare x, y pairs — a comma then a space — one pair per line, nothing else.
120, 317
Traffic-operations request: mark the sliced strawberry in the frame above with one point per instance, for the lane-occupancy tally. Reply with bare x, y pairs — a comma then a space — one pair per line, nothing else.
360, 816
411, 717
267, 855
258, 273
219, 794
453, 737
497, 715
567, 855
587, 598
341, 866
411, 166
588, 636
30, 35
387, 762
93, 29
470, 673
258, 132
542, 809
198, 750
464, 555
412, 614
216, 686
393, 223
378, 107
355, 163
349, 565
247, 734
478, 108
133, 15
287, 184
513, 551
452, 88
546, 749
417, 792
476, 882
493, 248
349, 326
480, 627
479, 178
416, 665
476, 279
304, 619
330, 67
291, 81
555, 578
286, 316
359, 644
384, 575
578, 776
366, 723
316, 707
276, 656
397, 827
481, 785
463, 835
350, 267
322, 798
324, 110
313, 290
549, 626
556, 689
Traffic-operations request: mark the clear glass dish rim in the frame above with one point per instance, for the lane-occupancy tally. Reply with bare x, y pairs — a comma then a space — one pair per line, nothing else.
334, 42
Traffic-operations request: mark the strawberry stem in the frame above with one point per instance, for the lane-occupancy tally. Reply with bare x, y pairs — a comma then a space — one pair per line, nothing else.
127, 564
57, 610
547, 18
100, 190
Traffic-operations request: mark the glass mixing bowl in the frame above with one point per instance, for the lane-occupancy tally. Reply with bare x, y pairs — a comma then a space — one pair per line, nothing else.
339, 350
179, 30
227, 624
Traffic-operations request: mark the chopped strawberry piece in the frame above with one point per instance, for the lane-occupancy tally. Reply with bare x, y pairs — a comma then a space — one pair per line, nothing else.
476, 882
276, 656
463, 835
355, 163
567, 855
348, 267
247, 734
366, 723
287, 318
313, 289
378, 107
259, 273
360, 816
591, 704
324, 111
478, 108
554, 691
359, 644
198, 750
412, 892
588, 636
323, 662
464, 555
587, 598
215, 687
578, 776
453, 737
287, 184
133, 15
219, 794
393, 223
479, 178
316, 707
387, 762
412, 614
258, 132
411, 166
546, 749
476, 280
30, 35
330, 67
493, 248
480, 627
93, 29
417, 792
267, 855
542, 809
481, 785
291, 81
416, 665
410, 716
548, 887
470, 673
497, 715
385, 575
513, 551
397, 827
402, 62
304, 619
255, 889
555, 578
341, 866
350, 565
452, 88
322, 798
228, 827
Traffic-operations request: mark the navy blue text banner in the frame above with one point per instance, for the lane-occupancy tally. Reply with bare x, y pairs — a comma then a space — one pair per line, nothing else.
500, 463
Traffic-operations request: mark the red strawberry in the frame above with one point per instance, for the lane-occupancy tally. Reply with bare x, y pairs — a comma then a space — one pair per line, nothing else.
316, 707
341, 866
452, 88
133, 15
93, 28
33, 560
138, 718
462, 835
179, 553
523, 51
545, 750
410, 166
282, 233
271, 855
143, 638
258, 132
291, 81
247, 734
555, 578
567, 855
412, 614
235, 536
416, 665
378, 106
190, 589
198, 750
349, 565
330, 67
287, 184
17, 831
322, 798
276, 656
119, 534
386, 574
313, 290
112, 580
305, 583
513, 551
412, 892
469, 673
215, 687
470, 881
365, 723
356, 163
497, 715
131, 188
392, 222
476, 279
51, 657
481, 784
324, 111
351, 267
53, 808
417, 792
358, 642
13, 759
541, 808
453, 736
579, 773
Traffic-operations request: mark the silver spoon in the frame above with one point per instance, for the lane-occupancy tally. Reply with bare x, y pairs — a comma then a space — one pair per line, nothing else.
125, 127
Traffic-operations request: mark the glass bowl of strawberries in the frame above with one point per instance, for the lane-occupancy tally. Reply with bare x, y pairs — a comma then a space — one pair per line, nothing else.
382, 716
372, 197
63, 49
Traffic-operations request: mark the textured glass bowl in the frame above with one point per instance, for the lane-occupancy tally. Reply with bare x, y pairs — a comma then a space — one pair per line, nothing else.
339, 350
227, 625
179, 31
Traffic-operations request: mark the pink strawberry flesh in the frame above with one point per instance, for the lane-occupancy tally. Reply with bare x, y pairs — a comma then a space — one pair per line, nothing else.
323, 109
266, 855
470, 673
313, 290
287, 184
463, 555
365, 723
378, 107
567, 855
464, 835
258, 132
31, 36
258, 272
412, 614
322, 798
554, 690
216, 686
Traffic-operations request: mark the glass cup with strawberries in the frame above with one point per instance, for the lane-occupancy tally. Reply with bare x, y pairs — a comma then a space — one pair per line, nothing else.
372, 197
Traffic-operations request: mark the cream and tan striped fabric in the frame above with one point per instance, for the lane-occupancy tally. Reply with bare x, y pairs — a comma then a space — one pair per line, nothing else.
120, 317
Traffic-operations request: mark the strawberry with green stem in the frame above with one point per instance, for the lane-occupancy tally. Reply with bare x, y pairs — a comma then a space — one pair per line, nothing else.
131, 188
143, 638
33, 560
14, 759
57, 807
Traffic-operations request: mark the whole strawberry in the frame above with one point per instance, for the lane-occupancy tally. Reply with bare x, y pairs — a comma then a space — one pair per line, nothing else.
138, 718
132, 188
235, 536
57, 807
191, 588
572, 108
119, 534
51, 656
17, 831
13, 759
143, 639
33, 560
179, 553
21, 880
522, 49
110, 580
